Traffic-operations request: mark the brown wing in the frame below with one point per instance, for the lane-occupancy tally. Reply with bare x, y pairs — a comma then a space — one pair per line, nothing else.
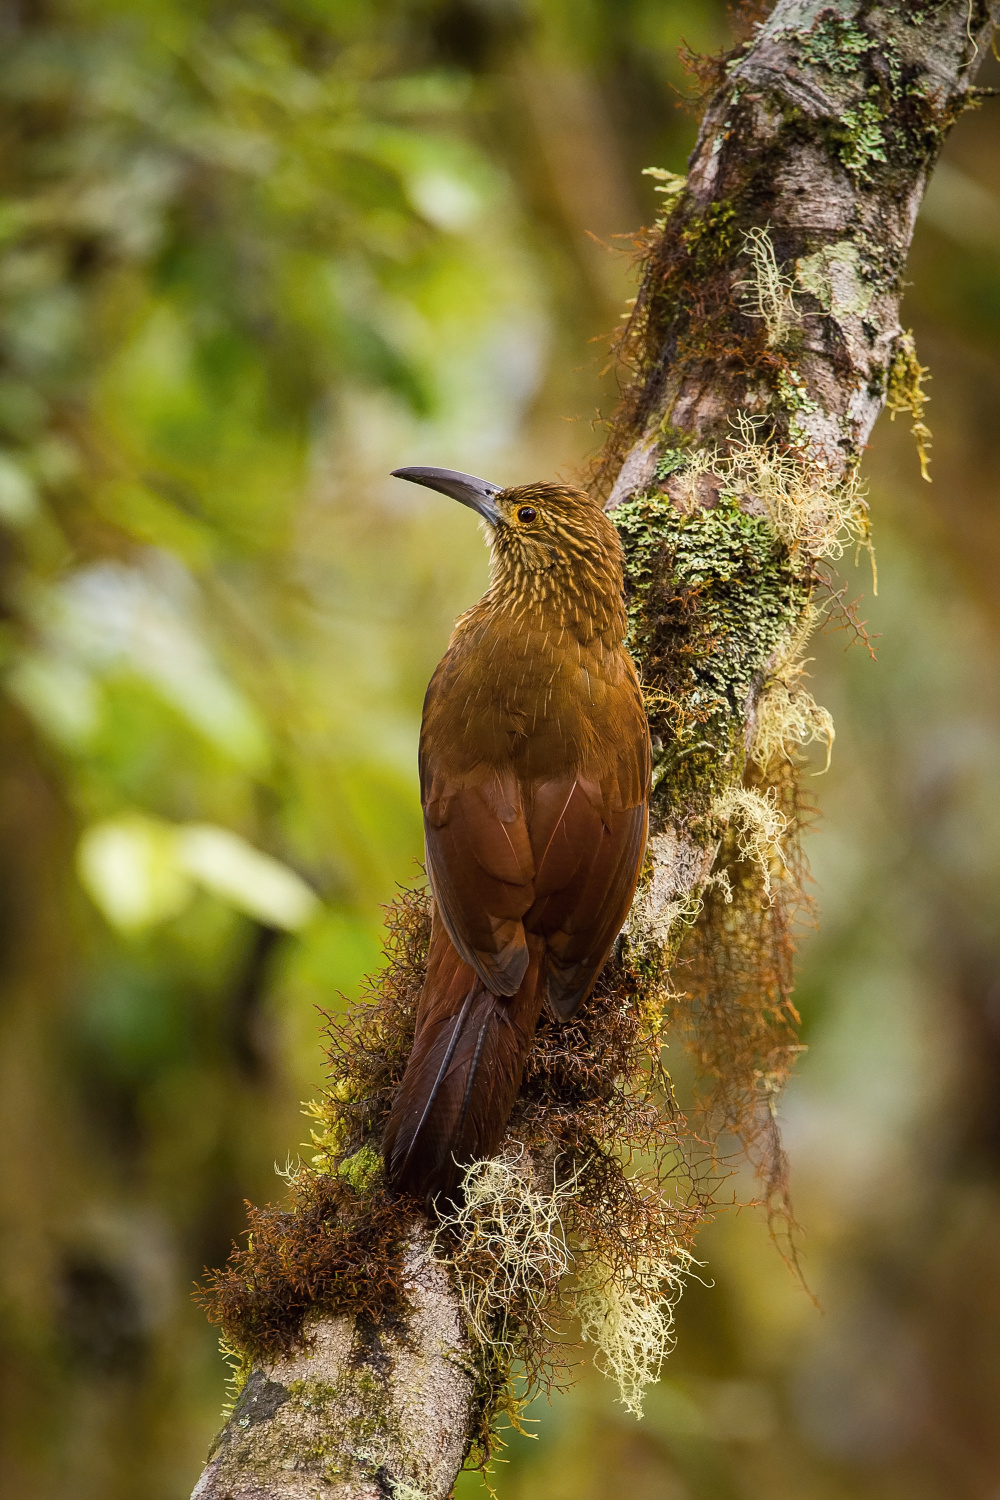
566, 872
589, 846
481, 869
556, 855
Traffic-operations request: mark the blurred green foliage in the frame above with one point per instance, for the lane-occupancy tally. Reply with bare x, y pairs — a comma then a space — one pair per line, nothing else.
252, 257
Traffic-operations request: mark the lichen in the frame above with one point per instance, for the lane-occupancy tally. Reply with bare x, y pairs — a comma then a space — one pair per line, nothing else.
594, 1175
834, 42
721, 635
814, 511
861, 141
759, 827
905, 393
709, 595
887, 110
793, 397
788, 717
630, 1319
506, 1242
840, 47
670, 185
768, 293
835, 277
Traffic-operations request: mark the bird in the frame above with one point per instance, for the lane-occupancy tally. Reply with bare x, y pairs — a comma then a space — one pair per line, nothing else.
534, 768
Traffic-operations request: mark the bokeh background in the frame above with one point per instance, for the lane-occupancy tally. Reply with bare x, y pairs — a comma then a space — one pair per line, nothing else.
253, 256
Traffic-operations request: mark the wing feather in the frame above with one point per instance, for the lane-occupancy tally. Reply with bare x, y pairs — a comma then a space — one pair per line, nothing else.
578, 947
481, 870
556, 857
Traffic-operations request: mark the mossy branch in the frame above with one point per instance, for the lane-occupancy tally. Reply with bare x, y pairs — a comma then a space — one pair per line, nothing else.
763, 344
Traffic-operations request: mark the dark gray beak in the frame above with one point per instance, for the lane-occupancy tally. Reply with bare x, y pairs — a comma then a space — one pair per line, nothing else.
478, 494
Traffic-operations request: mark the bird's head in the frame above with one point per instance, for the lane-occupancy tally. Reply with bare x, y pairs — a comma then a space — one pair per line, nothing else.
534, 529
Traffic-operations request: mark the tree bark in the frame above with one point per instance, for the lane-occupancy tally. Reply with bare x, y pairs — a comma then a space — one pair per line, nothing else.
361, 1413
823, 132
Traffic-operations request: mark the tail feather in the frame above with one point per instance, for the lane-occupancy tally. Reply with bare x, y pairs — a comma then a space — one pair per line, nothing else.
463, 1073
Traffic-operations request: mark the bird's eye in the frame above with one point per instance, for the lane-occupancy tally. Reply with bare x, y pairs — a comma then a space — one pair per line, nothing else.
526, 513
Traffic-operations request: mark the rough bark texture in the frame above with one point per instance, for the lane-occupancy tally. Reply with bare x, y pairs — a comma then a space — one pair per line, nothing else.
834, 161
823, 131
361, 1413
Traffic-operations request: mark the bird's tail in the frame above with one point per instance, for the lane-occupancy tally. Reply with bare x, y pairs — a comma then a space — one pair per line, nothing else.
463, 1072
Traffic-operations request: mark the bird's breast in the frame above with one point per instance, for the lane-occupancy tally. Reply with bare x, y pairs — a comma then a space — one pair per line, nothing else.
537, 699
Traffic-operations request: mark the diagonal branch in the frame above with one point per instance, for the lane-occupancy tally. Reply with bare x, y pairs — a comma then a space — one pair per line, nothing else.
763, 345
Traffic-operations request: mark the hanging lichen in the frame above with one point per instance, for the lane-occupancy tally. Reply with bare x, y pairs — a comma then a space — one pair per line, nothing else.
905, 392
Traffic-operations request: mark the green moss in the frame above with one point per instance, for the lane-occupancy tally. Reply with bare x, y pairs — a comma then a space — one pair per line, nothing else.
710, 595
362, 1170
240, 1366
312, 1394
711, 237
698, 254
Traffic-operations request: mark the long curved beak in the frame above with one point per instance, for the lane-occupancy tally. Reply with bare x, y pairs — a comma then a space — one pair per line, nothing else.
478, 494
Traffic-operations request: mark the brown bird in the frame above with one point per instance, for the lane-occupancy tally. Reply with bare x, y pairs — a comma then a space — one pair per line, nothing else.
534, 780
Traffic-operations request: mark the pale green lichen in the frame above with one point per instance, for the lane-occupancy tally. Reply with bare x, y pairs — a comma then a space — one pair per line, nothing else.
508, 1247
793, 395
835, 277
767, 291
760, 827
670, 185
403, 1491
629, 1315
788, 716
507, 1243
840, 46
816, 512
669, 461
864, 142
882, 109
834, 42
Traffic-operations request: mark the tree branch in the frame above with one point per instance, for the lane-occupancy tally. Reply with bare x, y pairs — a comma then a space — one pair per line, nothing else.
362, 1411
771, 291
